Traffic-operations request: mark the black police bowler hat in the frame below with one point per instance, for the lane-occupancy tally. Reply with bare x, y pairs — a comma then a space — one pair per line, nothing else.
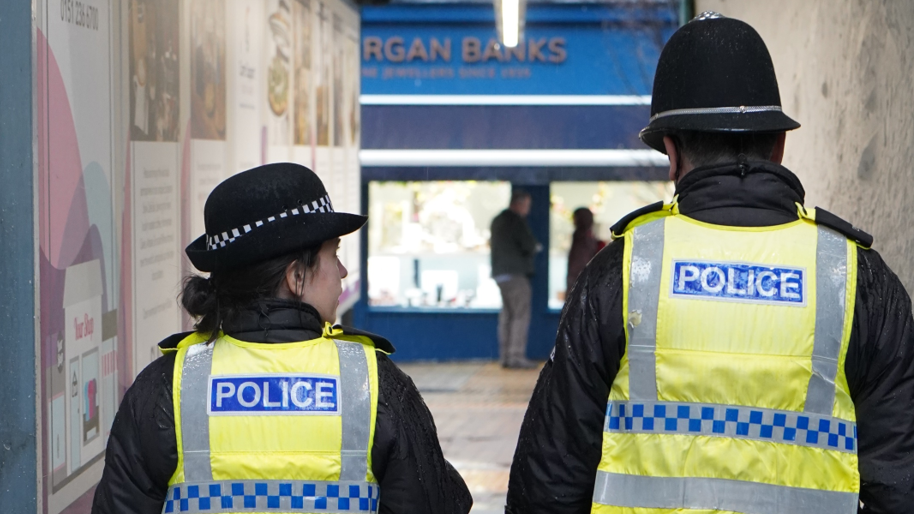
266, 212
715, 75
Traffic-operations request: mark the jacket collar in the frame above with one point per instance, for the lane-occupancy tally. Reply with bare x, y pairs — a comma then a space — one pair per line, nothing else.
747, 193
275, 320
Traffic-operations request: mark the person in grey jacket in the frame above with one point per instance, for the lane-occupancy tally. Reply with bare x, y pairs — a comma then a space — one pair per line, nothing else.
513, 250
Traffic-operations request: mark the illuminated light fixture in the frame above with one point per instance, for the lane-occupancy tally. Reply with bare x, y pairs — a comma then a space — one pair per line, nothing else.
512, 157
510, 22
509, 15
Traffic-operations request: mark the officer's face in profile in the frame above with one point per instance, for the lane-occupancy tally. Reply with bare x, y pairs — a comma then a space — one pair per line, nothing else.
321, 285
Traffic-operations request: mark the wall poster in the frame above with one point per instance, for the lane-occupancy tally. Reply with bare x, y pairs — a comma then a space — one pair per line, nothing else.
303, 114
208, 110
246, 83
302, 16
143, 106
323, 66
153, 174
207, 69
78, 257
351, 119
324, 72
153, 69
156, 257
279, 77
337, 126
208, 169
339, 137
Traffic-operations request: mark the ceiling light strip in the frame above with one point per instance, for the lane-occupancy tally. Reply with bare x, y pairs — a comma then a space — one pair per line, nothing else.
505, 99
528, 158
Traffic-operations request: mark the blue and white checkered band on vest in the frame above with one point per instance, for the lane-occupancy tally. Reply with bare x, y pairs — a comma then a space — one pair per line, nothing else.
272, 496
785, 427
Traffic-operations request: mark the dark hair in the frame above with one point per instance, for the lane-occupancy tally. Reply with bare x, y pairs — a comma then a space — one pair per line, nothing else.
582, 218
222, 296
704, 148
518, 195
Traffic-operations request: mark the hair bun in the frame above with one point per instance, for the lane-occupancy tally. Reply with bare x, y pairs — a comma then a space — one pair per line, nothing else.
199, 296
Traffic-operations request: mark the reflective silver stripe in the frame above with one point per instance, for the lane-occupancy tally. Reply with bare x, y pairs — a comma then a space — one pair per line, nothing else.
636, 491
643, 296
272, 496
356, 407
831, 286
767, 425
742, 109
198, 364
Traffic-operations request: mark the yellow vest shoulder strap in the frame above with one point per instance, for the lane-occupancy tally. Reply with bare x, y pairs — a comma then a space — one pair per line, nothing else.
643, 215
818, 215
355, 335
175, 342
180, 340
846, 229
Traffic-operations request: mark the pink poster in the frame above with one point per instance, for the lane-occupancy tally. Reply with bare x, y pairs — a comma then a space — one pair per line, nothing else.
79, 255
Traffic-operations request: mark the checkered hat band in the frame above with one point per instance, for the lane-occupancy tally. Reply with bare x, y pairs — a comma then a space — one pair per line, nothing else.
272, 496
216, 241
698, 419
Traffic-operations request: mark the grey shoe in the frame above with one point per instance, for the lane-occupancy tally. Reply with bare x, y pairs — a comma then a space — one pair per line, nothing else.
522, 364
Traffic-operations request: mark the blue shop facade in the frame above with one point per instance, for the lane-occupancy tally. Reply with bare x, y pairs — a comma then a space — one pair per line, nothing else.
452, 121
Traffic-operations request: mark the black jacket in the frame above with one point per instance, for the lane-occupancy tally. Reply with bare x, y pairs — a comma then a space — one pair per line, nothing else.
561, 437
406, 457
513, 245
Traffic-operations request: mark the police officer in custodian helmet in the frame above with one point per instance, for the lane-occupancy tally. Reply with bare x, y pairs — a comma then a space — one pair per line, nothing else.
266, 407
734, 350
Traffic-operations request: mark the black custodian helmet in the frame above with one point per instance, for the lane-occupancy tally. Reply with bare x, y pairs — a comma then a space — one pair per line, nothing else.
715, 75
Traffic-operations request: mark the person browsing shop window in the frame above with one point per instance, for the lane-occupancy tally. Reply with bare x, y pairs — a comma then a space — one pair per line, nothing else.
266, 407
513, 250
584, 245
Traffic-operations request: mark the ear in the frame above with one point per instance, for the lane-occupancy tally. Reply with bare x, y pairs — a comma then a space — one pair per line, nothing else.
777, 153
292, 284
673, 153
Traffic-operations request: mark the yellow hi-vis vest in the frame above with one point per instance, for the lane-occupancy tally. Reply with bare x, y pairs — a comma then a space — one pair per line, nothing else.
731, 395
275, 428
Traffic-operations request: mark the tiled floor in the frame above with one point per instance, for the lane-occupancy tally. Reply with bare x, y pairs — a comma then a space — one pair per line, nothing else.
478, 409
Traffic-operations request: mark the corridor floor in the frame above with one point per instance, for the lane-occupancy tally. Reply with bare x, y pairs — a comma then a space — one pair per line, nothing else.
478, 409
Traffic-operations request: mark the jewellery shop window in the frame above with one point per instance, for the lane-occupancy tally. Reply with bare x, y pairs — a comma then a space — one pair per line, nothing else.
608, 202
428, 244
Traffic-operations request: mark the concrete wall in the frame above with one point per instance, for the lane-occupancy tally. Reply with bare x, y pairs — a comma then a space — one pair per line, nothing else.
846, 73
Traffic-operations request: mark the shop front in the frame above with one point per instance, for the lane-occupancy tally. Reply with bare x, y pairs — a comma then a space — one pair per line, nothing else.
452, 122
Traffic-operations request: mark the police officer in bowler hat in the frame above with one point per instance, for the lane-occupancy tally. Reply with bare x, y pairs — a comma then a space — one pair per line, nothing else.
733, 350
267, 407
